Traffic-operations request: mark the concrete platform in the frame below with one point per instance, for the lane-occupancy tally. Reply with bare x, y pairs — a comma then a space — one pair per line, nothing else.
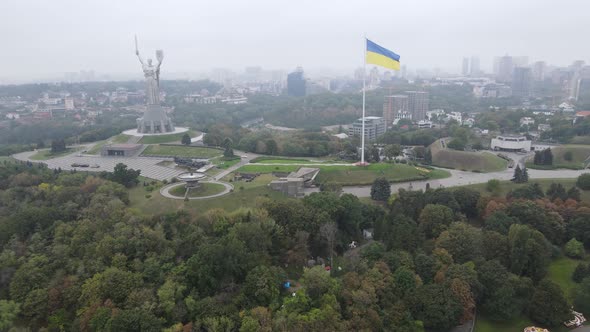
133, 132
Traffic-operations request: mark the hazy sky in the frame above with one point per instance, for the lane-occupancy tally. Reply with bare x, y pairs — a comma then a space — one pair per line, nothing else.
48, 37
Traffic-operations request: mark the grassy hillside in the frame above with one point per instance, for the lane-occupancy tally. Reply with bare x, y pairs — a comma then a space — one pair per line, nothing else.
181, 151
354, 175
470, 161
166, 138
579, 154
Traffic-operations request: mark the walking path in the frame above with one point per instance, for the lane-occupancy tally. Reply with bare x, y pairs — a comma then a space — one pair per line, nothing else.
165, 191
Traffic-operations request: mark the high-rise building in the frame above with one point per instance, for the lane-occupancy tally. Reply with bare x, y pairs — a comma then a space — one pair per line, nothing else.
522, 82
474, 70
539, 71
296, 83
392, 106
520, 61
417, 104
505, 69
374, 127
465, 67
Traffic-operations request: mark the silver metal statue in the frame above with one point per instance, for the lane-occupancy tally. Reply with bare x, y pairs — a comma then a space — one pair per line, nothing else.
152, 75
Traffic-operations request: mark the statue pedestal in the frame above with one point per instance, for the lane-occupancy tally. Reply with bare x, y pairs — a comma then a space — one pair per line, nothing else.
154, 121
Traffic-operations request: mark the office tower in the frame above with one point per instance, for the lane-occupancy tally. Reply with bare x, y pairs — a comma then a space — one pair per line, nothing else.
522, 82
296, 83
505, 69
392, 106
374, 127
417, 104
474, 70
539, 71
520, 61
465, 67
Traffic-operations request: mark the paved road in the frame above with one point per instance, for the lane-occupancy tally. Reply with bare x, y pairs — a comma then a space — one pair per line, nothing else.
461, 178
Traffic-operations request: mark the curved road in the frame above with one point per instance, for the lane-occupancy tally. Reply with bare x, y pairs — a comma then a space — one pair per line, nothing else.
165, 191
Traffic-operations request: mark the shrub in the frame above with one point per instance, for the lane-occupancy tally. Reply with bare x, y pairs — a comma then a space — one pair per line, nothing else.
493, 186
568, 155
583, 181
148, 196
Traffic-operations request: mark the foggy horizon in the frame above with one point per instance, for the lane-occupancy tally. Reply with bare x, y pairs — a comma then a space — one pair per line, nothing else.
47, 39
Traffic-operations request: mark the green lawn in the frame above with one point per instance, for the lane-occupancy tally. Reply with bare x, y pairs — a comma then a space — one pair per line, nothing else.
225, 163
205, 189
156, 204
355, 175
46, 154
270, 160
579, 154
121, 138
181, 151
560, 272
157, 139
581, 140
253, 168
463, 160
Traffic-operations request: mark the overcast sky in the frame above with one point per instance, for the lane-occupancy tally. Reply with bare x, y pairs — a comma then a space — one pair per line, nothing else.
48, 37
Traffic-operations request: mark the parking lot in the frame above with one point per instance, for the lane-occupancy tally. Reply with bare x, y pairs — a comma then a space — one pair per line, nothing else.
149, 166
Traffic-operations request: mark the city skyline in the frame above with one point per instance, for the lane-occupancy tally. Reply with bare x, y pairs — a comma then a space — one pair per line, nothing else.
40, 41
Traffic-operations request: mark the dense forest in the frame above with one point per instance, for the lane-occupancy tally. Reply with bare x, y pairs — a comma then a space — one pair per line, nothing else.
75, 256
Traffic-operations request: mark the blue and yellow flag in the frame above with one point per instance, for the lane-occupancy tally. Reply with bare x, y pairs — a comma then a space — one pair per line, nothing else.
377, 55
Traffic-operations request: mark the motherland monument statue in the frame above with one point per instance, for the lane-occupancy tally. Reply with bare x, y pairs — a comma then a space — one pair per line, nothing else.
154, 120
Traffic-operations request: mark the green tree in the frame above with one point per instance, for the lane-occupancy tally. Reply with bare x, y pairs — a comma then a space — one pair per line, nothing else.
272, 147
318, 282
548, 305
499, 222
186, 139
574, 193
583, 181
462, 241
124, 176
380, 190
9, 310
582, 271
467, 200
437, 307
568, 155
428, 157
574, 249
530, 252
392, 151
556, 190
261, 287
435, 219
520, 175
58, 145
136, 319
331, 187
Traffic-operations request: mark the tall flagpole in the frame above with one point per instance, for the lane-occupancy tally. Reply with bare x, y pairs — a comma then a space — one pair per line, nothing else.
363, 118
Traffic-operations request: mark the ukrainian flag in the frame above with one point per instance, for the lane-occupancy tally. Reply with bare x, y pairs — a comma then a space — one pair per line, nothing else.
377, 55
